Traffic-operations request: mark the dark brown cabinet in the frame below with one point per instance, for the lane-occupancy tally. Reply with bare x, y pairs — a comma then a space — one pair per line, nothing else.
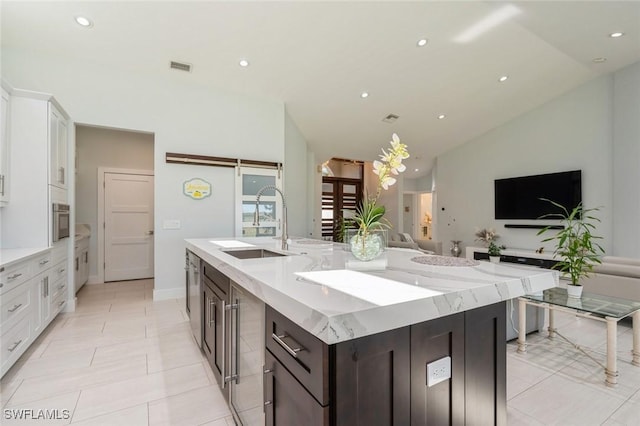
216, 333
287, 402
382, 379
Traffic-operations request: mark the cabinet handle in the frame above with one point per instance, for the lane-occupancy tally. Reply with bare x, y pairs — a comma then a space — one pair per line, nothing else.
14, 276
61, 171
61, 270
223, 369
15, 308
61, 303
234, 376
267, 371
86, 257
266, 403
212, 318
292, 351
15, 345
2, 185
44, 262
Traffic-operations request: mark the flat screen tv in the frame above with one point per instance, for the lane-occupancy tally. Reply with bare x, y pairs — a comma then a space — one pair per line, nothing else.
519, 197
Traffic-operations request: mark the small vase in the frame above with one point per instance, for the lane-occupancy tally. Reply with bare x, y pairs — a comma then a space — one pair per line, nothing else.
574, 291
455, 248
367, 247
494, 259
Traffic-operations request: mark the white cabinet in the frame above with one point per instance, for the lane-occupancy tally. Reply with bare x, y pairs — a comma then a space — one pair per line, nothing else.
4, 148
33, 290
39, 168
81, 262
58, 145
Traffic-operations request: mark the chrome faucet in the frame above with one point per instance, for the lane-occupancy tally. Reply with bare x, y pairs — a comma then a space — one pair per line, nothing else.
256, 215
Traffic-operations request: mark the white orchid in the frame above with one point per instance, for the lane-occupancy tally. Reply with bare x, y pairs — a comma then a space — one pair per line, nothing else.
369, 215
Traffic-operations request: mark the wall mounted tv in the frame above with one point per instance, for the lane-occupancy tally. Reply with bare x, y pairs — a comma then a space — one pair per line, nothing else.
519, 197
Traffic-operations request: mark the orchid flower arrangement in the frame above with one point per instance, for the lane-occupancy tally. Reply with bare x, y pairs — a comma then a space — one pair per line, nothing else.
370, 215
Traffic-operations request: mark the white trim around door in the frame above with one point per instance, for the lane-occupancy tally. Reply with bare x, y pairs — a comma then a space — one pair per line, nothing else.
101, 218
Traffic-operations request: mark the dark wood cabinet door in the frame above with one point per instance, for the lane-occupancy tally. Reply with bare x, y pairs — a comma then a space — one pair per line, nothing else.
442, 403
208, 341
485, 365
372, 380
287, 402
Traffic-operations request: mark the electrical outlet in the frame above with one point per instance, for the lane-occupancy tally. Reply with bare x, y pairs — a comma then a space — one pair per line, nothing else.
171, 224
438, 371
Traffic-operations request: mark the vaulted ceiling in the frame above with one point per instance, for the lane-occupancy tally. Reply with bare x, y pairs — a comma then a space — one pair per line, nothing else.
319, 57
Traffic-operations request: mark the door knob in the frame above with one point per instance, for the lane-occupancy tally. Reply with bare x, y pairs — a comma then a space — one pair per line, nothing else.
149, 232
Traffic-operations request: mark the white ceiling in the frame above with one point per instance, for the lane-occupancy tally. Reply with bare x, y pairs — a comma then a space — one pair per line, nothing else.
317, 57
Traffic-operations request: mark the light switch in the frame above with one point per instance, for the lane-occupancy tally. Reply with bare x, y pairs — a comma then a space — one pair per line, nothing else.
438, 371
171, 224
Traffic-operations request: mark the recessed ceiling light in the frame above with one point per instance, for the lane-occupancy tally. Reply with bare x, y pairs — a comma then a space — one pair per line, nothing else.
364, 95
503, 78
83, 21
416, 170
599, 60
422, 42
244, 63
441, 116
616, 34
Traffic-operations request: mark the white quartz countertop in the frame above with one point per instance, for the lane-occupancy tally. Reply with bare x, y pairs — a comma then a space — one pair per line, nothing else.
9, 256
312, 287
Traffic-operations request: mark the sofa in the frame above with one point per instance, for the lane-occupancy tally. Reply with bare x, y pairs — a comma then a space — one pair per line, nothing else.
403, 240
616, 276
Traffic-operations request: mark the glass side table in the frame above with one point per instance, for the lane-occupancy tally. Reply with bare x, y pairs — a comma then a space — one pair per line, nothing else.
591, 305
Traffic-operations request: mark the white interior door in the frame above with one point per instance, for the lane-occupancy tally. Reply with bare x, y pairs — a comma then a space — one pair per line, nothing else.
128, 226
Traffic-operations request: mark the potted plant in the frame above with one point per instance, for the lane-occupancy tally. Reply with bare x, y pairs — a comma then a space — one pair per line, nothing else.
576, 249
367, 244
494, 252
488, 237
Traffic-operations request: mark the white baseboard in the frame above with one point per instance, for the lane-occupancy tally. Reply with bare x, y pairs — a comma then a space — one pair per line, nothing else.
70, 306
94, 279
168, 293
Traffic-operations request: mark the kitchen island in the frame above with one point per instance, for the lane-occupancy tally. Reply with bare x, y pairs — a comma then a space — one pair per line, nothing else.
420, 341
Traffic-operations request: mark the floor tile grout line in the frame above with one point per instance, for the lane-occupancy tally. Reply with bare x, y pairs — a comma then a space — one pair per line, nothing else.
12, 394
76, 406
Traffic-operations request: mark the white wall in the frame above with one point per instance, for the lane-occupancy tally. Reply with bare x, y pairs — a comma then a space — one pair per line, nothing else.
295, 179
626, 162
100, 147
184, 118
574, 131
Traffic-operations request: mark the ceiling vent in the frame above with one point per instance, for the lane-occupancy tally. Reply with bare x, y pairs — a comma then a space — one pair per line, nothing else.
181, 66
390, 118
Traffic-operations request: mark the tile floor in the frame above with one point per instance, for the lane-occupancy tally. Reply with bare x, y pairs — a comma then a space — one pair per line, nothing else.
122, 359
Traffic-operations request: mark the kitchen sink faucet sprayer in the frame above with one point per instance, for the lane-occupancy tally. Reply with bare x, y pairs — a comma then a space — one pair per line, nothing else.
256, 215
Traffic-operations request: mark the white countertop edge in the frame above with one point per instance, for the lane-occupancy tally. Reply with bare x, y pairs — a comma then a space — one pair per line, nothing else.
14, 255
337, 328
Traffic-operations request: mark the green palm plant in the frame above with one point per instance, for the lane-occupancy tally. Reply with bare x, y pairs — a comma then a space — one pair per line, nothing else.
575, 245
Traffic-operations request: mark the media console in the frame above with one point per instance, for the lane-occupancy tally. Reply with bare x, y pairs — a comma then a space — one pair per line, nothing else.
523, 257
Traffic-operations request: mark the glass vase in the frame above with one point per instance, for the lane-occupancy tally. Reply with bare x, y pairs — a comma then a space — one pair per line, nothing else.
367, 247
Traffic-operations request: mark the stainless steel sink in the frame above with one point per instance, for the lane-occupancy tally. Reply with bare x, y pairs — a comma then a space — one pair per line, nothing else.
253, 253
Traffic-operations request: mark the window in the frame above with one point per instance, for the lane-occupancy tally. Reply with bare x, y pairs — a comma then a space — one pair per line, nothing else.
248, 184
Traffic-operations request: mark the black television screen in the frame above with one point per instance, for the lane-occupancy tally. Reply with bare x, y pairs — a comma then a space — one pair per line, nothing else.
519, 198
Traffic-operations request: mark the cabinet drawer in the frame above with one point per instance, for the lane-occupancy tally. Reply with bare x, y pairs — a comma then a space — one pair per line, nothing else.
41, 263
303, 354
286, 402
216, 277
14, 342
58, 302
58, 287
14, 303
13, 276
58, 272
